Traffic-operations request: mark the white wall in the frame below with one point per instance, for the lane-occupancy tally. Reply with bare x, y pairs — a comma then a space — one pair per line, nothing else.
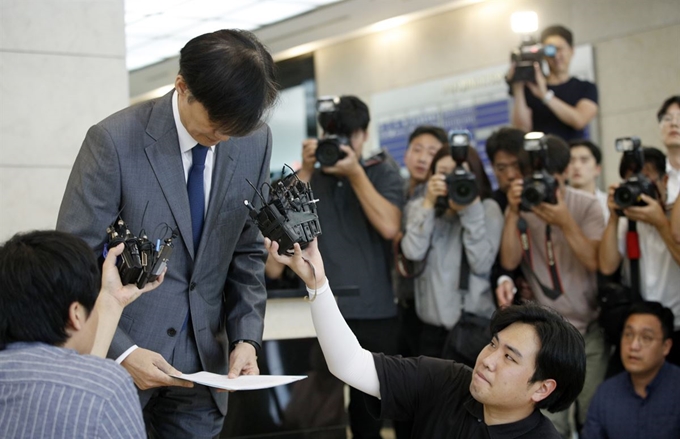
62, 69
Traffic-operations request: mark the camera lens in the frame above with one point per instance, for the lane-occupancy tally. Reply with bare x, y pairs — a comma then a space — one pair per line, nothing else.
626, 195
533, 194
463, 192
328, 152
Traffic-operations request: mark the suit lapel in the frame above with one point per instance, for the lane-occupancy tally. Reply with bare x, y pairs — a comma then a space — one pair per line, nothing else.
166, 160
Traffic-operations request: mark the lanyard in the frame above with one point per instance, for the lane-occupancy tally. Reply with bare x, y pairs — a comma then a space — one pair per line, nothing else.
555, 292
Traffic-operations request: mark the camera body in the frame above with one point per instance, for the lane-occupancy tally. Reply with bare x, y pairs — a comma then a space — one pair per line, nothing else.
629, 192
328, 150
289, 216
461, 183
141, 261
540, 186
524, 57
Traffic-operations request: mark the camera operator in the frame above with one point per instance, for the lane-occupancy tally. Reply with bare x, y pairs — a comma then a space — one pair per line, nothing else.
360, 209
438, 235
557, 249
659, 254
559, 104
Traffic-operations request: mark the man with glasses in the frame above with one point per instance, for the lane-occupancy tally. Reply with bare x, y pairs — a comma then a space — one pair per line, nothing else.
642, 401
669, 124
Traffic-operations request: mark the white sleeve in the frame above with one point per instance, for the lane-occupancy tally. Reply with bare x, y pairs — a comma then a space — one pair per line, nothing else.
345, 357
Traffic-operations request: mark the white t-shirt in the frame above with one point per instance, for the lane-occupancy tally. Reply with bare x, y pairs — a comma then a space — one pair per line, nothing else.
659, 273
673, 185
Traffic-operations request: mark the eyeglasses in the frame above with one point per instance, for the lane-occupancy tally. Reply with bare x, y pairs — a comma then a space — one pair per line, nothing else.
668, 118
645, 339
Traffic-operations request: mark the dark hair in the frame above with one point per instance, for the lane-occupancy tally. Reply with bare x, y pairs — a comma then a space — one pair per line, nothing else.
667, 103
233, 76
41, 274
436, 132
561, 356
560, 31
652, 155
664, 314
352, 115
559, 155
476, 167
594, 149
511, 141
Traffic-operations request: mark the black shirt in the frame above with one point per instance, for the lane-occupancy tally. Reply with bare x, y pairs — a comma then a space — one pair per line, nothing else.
355, 255
543, 119
435, 395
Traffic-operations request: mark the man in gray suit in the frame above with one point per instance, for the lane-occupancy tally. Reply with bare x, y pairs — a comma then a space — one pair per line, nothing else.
181, 162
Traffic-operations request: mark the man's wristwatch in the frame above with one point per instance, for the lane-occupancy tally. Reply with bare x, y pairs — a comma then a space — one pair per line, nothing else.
548, 96
250, 342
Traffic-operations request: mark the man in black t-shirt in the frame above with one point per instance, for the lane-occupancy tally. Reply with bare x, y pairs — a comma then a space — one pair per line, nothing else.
559, 104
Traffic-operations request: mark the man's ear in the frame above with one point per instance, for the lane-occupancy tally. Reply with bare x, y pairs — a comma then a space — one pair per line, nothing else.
545, 388
180, 85
667, 345
76, 318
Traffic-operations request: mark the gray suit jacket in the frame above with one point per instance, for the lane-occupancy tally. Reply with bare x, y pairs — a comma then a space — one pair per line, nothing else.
133, 158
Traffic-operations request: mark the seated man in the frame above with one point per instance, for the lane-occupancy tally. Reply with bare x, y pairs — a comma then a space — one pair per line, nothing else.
51, 310
535, 360
642, 401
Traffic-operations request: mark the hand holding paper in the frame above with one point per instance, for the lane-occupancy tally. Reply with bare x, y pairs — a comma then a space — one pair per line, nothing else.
243, 382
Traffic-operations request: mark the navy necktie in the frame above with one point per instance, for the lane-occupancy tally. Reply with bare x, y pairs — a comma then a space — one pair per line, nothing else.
196, 191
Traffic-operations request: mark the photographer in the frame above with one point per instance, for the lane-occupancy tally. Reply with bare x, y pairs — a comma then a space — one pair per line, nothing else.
584, 169
447, 236
559, 104
360, 208
659, 254
669, 124
556, 245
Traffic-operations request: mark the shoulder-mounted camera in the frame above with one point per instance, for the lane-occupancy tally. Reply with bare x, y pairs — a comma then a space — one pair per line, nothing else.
142, 261
289, 215
629, 193
328, 151
540, 186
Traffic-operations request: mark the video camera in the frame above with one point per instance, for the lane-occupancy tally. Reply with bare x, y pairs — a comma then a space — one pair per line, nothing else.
141, 261
461, 183
328, 151
524, 57
629, 192
290, 214
541, 186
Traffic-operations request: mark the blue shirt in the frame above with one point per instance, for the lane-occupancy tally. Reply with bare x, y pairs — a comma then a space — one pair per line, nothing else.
52, 392
616, 411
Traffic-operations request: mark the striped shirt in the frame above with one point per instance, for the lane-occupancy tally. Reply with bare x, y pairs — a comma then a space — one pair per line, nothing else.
52, 392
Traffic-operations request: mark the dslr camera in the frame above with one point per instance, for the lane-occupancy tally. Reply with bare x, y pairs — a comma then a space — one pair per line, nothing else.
328, 151
540, 186
629, 192
142, 261
461, 183
524, 57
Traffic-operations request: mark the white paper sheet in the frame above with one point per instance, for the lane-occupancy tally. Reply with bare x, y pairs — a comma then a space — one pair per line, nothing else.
244, 382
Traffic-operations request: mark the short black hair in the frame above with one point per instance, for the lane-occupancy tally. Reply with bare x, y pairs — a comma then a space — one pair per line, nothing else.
652, 155
561, 356
560, 31
594, 149
436, 132
559, 154
233, 76
41, 274
667, 103
352, 115
476, 168
506, 139
664, 314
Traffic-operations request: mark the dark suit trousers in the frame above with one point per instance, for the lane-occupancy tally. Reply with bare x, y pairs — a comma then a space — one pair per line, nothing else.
180, 412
